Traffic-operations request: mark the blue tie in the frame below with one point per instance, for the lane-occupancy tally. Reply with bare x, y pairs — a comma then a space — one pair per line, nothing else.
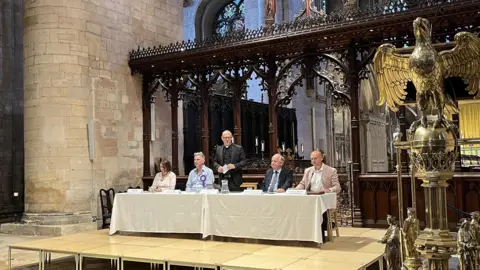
273, 183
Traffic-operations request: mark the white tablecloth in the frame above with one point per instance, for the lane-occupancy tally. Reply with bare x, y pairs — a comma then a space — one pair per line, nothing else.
271, 217
159, 213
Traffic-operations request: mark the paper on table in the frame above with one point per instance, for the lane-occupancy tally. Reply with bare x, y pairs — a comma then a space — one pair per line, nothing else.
224, 168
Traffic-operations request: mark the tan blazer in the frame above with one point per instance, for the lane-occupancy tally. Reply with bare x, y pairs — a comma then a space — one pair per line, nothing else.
329, 178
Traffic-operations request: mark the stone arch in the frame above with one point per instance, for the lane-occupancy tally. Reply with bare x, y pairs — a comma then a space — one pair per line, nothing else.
205, 16
370, 94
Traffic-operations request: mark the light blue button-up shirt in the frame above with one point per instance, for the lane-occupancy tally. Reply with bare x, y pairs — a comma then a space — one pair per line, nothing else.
194, 178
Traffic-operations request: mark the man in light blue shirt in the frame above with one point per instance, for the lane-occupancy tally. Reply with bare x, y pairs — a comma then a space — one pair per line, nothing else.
201, 175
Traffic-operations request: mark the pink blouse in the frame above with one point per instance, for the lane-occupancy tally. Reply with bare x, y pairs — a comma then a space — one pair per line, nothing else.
167, 181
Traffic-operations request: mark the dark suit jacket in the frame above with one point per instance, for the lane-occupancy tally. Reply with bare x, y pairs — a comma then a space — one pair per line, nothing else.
284, 179
237, 159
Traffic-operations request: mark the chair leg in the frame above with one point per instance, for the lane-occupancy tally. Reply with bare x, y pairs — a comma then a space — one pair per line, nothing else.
335, 218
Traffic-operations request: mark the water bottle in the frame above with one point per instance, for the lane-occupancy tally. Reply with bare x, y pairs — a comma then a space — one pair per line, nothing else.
225, 189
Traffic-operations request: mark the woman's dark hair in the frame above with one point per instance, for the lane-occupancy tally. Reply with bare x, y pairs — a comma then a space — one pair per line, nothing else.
167, 165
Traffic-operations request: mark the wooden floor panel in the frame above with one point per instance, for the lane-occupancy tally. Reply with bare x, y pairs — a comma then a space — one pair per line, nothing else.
359, 245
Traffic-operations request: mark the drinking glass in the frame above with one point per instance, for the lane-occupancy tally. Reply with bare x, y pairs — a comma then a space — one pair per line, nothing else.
225, 189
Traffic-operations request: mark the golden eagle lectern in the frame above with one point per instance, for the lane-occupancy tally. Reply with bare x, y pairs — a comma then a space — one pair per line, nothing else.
427, 69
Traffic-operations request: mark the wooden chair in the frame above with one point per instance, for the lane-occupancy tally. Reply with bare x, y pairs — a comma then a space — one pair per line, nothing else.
106, 201
333, 224
334, 219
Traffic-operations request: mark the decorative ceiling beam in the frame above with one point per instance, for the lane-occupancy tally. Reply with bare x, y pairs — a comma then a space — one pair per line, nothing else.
291, 39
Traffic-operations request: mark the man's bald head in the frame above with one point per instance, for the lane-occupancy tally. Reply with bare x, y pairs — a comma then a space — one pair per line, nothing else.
316, 158
277, 162
227, 137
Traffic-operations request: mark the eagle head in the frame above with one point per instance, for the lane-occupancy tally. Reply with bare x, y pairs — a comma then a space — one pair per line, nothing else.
422, 29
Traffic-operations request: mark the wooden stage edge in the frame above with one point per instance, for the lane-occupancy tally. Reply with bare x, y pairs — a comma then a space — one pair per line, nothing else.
359, 245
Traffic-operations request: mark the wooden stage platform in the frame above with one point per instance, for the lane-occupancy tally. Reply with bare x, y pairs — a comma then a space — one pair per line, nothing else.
356, 248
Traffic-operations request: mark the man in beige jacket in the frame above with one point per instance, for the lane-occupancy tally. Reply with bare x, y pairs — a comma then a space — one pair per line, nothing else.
320, 179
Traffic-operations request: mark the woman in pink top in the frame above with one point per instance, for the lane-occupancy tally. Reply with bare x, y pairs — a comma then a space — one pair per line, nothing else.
165, 179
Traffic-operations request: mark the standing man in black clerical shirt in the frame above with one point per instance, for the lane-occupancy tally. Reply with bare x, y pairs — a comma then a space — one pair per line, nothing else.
229, 161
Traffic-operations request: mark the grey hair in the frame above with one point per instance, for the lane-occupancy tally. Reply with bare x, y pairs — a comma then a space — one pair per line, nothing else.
200, 154
282, 158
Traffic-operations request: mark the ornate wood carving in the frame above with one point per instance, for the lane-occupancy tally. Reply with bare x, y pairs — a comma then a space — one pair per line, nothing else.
203, 83
390, 21
147, 94
353, 67
379, 197
236, 78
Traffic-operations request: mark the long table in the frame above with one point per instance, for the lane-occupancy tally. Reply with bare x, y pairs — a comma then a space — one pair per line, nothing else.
267, 216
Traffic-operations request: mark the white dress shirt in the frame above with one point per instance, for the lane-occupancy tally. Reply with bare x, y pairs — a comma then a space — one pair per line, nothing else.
316, 184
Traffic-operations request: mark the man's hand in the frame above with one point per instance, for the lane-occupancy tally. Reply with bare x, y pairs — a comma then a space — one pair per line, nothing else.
158, 189
325, 190
231, 166
220, 170
280, 190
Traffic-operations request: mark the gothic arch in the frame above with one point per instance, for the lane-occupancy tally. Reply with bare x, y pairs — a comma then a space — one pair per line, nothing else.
205, 17
370, 94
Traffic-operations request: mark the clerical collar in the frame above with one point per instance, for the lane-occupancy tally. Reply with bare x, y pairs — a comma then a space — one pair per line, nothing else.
226, 146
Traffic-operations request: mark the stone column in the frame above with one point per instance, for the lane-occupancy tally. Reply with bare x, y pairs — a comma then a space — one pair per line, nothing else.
58, 172
76, 70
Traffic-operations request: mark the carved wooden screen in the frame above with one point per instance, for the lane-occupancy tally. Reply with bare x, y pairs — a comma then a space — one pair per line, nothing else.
254, 124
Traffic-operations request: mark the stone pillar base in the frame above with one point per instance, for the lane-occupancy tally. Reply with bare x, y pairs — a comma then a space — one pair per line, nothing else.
56, 218
54, 224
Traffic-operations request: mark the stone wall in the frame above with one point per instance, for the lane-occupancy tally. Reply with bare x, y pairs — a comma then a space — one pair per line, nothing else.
76, 70
11, 108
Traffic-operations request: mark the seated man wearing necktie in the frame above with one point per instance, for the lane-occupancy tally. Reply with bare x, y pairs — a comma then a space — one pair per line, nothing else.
320, 179
277, 179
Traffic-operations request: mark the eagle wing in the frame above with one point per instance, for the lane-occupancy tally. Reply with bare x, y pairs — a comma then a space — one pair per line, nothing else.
393, 73
464, 61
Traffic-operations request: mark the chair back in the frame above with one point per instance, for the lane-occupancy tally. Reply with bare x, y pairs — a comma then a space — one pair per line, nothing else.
106, 200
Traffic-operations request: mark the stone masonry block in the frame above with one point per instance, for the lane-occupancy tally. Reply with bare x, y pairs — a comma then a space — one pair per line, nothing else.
76, 59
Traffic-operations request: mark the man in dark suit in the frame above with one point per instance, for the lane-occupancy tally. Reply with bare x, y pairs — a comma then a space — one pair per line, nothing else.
233, 156
277, 179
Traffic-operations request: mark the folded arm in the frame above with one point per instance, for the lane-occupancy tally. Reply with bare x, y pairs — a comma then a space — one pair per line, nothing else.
173, 180
302, 184
190, 180
288, 181
210, 177
335, 183
262, 185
